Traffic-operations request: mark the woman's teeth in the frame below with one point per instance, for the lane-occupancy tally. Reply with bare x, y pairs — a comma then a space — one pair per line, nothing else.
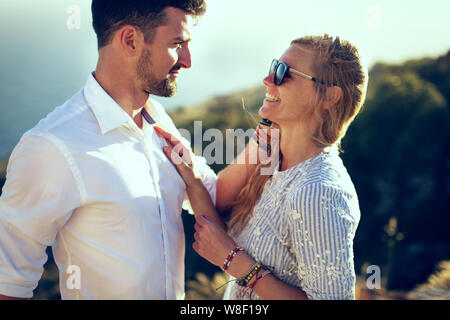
271, 98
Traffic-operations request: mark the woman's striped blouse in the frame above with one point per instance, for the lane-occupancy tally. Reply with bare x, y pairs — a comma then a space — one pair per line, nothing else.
302, 229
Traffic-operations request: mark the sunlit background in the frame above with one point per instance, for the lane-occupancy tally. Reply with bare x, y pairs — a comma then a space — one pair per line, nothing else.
397, 151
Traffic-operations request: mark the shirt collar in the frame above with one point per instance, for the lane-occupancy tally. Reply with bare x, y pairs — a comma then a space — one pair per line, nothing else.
109, 113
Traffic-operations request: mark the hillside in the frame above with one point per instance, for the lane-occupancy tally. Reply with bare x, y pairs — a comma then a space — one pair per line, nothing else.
237, 110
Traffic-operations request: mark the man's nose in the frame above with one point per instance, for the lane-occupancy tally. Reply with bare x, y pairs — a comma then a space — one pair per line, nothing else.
184, 58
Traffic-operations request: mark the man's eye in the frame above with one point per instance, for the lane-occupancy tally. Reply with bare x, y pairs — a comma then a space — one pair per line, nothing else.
179, 45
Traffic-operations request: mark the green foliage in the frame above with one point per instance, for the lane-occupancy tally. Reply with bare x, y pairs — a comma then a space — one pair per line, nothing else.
397, 153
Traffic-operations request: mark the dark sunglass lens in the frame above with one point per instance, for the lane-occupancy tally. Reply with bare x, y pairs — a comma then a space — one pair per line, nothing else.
272, 66
279, 74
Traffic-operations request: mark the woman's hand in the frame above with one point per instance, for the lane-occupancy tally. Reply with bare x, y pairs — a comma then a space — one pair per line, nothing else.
268, 140
179, 155
214, 244
211, 241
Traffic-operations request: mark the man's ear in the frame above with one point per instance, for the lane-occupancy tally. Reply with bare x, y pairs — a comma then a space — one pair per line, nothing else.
128, 38
334, 94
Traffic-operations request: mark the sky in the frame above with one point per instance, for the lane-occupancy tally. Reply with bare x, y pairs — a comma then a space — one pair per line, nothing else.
48, 49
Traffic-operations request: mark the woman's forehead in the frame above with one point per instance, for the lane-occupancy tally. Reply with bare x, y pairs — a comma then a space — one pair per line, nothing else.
298, 56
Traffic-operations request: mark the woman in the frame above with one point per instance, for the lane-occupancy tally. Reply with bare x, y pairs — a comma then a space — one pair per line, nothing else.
290, 234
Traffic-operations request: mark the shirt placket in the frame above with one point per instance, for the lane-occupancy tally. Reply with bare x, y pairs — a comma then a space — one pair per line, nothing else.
161, 208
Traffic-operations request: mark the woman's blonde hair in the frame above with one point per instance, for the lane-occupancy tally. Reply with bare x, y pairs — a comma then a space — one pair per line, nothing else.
336, 62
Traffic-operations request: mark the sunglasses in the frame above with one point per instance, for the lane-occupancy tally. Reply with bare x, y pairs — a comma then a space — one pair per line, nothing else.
280, 69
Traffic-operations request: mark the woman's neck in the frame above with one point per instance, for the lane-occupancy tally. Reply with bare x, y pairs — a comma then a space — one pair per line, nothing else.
296, 146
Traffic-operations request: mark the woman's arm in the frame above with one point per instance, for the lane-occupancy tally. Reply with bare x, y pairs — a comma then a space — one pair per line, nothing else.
322, 229
230, 181
213, 244
199, 196
234, 177
201, 203
269, 287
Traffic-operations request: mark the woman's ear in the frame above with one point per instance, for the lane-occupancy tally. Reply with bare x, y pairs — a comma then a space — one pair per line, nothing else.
334, 94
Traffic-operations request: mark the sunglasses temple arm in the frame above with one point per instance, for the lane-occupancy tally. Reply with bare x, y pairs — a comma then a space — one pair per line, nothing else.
303, 74
308, 76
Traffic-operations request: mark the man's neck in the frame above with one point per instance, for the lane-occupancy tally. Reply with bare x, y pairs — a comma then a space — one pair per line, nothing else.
122, 90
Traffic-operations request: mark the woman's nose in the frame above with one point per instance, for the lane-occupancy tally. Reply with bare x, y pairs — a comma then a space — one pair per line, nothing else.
269, 81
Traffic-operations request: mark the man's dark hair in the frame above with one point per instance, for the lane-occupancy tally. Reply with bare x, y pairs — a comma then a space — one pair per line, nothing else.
110, 15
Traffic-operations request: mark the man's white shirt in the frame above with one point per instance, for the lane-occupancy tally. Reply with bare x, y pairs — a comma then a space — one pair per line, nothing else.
87, 181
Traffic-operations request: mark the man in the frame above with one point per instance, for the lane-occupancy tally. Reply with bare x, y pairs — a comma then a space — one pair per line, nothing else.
91, 179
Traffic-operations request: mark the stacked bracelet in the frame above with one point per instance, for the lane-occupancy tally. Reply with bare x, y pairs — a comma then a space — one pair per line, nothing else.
230, 257
265, 273
244, 281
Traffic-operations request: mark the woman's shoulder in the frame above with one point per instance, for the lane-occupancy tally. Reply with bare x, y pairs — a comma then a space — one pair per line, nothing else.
327, 185
323, 172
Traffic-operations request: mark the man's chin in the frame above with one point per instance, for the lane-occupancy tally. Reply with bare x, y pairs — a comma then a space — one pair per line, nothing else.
172, 87
167, 90
170, 92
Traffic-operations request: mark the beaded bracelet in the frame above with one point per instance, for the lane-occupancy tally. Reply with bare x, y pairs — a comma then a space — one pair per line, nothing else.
243, 281
265, 273
230, 257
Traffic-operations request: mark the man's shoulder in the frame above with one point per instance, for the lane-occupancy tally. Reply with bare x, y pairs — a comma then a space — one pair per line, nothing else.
65, 118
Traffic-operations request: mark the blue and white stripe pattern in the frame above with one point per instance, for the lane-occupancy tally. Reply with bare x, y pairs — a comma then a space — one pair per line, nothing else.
302, 228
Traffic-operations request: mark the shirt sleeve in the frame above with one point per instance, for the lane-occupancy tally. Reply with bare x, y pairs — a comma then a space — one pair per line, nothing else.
322, 227
37, 199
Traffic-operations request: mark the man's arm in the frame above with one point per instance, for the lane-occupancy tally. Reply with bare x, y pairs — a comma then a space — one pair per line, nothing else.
38, 198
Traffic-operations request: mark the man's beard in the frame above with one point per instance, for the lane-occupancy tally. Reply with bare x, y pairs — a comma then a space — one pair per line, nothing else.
163, 88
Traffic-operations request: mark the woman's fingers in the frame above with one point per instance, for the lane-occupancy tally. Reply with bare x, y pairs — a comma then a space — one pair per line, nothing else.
170, 138
203, 221
180, 160
166, 135
174, 143
196, 247
173, 156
